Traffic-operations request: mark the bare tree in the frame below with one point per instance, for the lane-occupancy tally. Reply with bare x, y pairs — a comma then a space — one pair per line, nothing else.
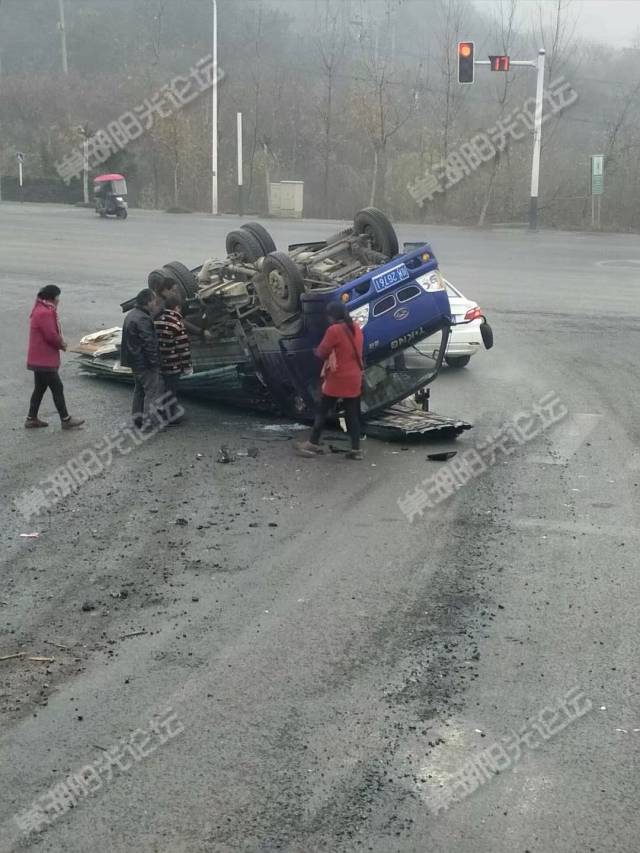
555, 32
450, 15
503, 28
331, 44
380, 100
256, 79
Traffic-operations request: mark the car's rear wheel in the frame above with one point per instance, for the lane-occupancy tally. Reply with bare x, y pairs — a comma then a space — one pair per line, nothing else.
284, 281
244, 246
262, 236
374, 224
457, 360
187, 281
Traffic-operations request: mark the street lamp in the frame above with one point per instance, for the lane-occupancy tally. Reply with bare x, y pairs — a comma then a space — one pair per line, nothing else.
214, 116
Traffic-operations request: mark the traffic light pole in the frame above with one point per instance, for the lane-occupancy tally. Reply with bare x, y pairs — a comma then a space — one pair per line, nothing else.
537, 139
537, 131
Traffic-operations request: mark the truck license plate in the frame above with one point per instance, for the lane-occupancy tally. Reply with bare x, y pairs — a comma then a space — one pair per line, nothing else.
387, 279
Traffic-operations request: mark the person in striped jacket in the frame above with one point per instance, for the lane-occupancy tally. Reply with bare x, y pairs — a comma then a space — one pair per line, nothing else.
175, 350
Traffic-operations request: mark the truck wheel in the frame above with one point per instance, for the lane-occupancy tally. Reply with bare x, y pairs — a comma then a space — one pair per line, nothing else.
374, 224
458, 360
186, 279
262, 236
244, 245
284, 281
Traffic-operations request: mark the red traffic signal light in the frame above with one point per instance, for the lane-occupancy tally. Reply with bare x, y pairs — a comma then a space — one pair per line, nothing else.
500, 63
465, 61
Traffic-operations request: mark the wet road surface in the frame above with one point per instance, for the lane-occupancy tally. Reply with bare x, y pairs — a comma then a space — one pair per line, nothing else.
339, 678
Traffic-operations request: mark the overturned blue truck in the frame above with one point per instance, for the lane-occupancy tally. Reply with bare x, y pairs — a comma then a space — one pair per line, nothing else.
260, 313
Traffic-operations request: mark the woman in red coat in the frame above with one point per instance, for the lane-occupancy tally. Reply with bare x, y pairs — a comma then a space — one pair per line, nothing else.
45, 343
341, 350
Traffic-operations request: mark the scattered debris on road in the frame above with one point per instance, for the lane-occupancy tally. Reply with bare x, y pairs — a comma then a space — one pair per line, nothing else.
34, 658
441, 457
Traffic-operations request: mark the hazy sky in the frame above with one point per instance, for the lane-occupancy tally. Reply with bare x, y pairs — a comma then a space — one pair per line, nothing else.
613, 21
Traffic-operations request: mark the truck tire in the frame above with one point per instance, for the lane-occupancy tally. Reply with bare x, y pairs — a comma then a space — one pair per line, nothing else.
187, 281
457, 360
284, 281
374, 224
244, 245
262, 236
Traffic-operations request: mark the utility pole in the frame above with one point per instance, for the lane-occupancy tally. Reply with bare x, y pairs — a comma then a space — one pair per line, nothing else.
83, 132
85, 170
239, 132
0, 88
537, 137
63, 37
214, 116
20, 159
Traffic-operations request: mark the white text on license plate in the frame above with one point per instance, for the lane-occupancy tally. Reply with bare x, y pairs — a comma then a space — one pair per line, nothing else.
387, 279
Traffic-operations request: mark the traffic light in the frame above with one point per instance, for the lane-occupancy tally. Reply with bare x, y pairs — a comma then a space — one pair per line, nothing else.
465, 61
499, 63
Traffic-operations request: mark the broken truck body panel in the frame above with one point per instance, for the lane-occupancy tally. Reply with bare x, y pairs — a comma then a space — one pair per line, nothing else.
263, 314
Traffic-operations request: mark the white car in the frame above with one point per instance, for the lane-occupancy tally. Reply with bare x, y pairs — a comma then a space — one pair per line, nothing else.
465, 340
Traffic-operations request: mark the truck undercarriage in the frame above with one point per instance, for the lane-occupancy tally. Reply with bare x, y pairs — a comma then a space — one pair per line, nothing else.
259, 313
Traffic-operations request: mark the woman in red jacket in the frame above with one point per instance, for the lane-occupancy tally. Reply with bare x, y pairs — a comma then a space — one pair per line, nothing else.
341, 350
45, 343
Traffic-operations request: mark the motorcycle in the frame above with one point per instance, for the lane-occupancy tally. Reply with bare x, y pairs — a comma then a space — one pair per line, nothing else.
110, 192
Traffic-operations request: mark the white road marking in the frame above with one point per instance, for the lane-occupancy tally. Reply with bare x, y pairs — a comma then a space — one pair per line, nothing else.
618, 532
620, 264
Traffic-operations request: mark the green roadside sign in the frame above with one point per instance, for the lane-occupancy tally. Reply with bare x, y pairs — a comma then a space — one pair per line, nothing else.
597, 174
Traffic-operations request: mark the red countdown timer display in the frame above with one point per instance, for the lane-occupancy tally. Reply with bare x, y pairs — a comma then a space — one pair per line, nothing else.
500, 63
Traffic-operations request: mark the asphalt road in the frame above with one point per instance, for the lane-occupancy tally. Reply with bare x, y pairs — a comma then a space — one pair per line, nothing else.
332, 668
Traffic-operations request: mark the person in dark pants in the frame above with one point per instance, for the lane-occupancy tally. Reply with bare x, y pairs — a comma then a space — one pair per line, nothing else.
175, 352
341, 350
45, 344
139, 350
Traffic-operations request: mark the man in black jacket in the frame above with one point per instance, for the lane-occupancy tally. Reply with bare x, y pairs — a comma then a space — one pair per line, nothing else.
139, 350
